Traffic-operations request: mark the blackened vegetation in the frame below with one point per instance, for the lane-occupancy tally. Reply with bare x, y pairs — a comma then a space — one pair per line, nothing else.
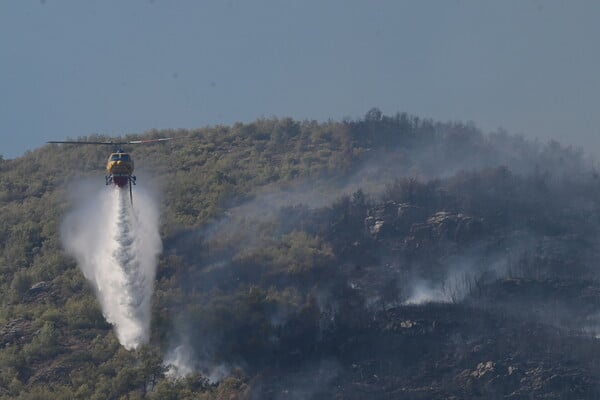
321, 301
389, 257
520, 318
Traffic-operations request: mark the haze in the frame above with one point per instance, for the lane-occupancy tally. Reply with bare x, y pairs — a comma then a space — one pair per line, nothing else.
72, 68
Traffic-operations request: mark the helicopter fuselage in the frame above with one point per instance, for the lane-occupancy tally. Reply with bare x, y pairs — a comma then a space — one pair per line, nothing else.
119, 169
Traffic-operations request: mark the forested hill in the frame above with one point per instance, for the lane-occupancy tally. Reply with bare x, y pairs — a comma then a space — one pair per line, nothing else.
387, 257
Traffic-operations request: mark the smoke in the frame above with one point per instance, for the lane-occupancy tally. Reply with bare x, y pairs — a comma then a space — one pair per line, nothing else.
182, 361
466, 273
116, 247
425, 292
453, 268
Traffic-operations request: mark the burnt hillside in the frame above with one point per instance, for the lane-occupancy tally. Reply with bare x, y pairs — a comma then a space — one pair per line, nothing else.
388, 257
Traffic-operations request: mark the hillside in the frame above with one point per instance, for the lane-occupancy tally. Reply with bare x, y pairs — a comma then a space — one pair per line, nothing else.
388, 257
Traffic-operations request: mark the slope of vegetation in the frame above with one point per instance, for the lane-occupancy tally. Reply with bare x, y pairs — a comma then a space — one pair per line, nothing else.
385, 257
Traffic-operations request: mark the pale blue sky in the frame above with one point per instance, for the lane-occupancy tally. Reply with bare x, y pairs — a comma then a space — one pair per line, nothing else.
72, 68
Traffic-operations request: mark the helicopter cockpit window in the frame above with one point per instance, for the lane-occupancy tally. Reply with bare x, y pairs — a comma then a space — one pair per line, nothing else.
114, 157
125, 157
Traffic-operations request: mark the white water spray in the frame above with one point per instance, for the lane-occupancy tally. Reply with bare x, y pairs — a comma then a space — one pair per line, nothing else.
117, 246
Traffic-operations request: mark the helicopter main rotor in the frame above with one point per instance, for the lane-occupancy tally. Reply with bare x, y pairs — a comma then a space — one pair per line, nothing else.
110, 142
119, 167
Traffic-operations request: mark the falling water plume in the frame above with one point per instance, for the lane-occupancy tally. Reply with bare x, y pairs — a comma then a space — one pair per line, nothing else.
116, 247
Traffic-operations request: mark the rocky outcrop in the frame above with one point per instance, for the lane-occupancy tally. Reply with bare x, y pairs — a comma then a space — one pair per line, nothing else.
402, 220
393, 219
14, 331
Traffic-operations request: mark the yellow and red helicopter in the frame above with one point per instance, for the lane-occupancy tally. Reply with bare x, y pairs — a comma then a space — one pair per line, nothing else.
119, 167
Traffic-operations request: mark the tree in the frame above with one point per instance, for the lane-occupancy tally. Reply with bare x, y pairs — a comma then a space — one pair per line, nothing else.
373, 115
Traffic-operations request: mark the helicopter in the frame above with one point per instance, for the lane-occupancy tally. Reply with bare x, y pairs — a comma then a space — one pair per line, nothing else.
119, 166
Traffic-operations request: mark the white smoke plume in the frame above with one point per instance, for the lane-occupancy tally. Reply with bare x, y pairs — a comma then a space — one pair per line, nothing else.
424, 292
116, 247
181, 362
